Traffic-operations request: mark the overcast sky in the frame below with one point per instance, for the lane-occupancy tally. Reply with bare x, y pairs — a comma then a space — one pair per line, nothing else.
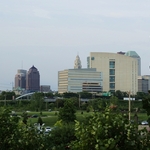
50, 33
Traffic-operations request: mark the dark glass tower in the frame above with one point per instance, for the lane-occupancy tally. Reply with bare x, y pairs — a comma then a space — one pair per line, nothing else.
33, 80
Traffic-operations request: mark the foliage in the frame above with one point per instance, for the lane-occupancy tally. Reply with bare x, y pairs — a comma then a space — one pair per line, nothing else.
40, 121
146, 105
109, 130
37, 102
61, 136
70, 95
7, 95
14, 134
25, 117
67, 113
85, 95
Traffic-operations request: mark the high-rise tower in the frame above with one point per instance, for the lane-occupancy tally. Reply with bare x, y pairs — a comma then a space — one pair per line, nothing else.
77, 63
133, 54
33, 80
20, 79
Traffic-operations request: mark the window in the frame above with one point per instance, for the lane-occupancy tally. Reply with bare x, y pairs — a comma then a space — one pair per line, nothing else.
92, 58
112, 79
112, 85
112, 64
112, 72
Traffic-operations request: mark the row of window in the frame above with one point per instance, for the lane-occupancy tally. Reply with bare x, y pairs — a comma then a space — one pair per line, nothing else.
112, 75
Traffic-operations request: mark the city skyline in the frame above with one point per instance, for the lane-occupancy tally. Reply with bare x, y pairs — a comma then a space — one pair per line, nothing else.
49, 35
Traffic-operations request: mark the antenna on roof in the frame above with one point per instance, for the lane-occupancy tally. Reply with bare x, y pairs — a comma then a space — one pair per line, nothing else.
22, 65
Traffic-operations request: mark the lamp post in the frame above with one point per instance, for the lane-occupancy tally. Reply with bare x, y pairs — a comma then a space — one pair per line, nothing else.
79, 100
129, 93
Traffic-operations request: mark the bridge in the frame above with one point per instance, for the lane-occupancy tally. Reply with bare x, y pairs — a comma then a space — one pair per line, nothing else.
25, 95
28, 96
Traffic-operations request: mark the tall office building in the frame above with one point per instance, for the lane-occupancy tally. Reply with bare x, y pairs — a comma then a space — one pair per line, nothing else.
78, 79
20, 79
136, 56
120, 72
33, 80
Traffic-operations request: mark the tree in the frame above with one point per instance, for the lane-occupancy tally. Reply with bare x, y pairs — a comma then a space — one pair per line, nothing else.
67, 113
40, 121
25, 117
109, 130
37, 102
119, 94
146, 105
14, 134
70, 95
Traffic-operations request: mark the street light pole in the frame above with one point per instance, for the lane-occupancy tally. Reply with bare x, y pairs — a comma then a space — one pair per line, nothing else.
129, 106
79, 100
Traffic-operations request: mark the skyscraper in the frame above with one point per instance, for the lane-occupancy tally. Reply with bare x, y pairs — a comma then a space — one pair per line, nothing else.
79, 79
20, 79
33, 80
133, 54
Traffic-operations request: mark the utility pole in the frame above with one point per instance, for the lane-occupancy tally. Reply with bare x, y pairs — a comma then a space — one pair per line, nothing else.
129, 107
79, 100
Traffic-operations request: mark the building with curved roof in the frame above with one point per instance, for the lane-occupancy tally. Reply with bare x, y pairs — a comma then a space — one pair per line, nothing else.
33, 80
136, 56
120, 72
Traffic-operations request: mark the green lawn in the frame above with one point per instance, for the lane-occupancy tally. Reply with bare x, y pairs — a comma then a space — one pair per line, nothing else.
50, 118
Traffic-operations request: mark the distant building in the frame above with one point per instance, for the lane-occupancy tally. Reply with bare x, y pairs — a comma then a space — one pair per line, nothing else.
120, 72
78, 79
33, 80
148, 78
143, 84
133, 54
77, 63
20, 79
45, 88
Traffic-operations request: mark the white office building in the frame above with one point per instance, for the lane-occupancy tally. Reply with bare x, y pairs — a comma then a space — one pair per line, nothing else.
120, 72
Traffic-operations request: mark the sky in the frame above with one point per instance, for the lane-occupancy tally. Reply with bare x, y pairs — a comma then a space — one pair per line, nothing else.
50, 33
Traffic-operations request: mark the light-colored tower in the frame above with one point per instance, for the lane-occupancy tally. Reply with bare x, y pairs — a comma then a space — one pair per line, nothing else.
133, 54
20, 79
77, 63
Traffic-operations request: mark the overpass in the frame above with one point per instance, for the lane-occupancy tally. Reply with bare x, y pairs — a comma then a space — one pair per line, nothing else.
28, 95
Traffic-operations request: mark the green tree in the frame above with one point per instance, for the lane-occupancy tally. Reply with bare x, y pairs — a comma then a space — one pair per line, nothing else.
25, 117
119, 94
109, 131
61, 136
40, 121
67, 113
14, 134
37, 102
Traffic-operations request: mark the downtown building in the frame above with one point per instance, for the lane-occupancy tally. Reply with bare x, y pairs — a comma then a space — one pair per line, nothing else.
27, 81
120, 70
20, 79
79, 80
33, 80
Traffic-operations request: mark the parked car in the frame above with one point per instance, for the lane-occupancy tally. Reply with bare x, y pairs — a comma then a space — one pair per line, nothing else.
48, 129
144, 122
34, 116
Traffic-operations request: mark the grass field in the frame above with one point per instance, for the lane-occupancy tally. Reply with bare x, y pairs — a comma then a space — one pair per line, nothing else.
50, 118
